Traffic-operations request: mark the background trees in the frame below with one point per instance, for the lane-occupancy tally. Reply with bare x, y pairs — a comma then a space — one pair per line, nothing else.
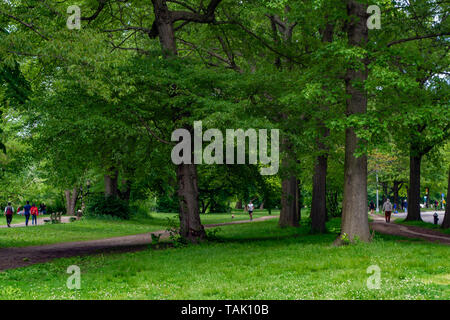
100, 103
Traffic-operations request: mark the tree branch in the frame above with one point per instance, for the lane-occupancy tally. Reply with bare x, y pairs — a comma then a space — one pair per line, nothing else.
418, 38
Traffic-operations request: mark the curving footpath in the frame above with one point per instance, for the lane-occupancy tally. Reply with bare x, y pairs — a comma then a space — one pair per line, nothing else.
11, 258
379, 225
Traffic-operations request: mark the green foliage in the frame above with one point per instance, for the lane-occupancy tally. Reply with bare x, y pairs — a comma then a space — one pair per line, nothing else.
99, 205
167, 203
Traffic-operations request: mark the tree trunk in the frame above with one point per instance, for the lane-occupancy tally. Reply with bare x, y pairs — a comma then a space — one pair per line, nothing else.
414, 188
319, 193
165, 28
289, 215
395, 189
319, 200
239, 204
446, 222
71, 201
111, 184
190, 226
355, 222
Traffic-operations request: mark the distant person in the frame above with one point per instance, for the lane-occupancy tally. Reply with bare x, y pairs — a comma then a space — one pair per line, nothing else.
26, 212
371, 206
387, 208
405, 206
250, 210
34, 214
395, 208
43, 208
9, 211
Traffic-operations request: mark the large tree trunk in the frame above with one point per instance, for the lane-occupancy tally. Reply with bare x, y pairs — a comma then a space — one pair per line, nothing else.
71, 201
190, 226
319, 200
414, 188
355, 222
446, 222
319, 193
165, 27
289, 215
239, 204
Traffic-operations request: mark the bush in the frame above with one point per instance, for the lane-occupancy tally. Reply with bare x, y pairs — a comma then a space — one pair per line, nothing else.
112, 206
167, 203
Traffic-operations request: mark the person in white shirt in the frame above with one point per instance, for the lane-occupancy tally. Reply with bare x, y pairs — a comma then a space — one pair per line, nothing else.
250, 210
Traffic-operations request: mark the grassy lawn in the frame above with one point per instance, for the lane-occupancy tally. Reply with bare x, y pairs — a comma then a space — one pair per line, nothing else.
249, 261
92, 228
16, 219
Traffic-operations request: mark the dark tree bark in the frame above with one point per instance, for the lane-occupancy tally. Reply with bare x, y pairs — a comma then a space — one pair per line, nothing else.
355, 222
414, 188
446, 222
111, 184
71, 201
395, 189
239, 204
319, 193
190, 226
319, 200
289, 215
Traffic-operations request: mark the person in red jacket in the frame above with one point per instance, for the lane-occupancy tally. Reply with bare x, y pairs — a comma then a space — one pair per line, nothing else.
34, 213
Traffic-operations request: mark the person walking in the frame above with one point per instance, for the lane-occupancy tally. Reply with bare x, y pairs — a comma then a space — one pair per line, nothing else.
9, 210
26, 212
42, 209
405, 206
250, 210
387, 208
34, 214
371, 206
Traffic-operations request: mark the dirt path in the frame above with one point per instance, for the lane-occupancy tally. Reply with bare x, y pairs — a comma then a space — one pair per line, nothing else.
11, 258
40, 221
381, 226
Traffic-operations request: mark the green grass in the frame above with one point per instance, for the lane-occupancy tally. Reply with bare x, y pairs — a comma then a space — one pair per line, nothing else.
95, 228
16, 219
248, 261
423, 224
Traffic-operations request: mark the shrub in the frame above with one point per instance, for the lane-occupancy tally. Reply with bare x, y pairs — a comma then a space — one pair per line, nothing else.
167, 203
111, 206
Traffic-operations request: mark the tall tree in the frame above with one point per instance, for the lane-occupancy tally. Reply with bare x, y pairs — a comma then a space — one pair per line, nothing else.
354, 208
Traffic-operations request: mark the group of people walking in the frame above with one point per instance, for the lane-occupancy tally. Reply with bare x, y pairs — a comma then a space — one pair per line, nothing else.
28, 211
